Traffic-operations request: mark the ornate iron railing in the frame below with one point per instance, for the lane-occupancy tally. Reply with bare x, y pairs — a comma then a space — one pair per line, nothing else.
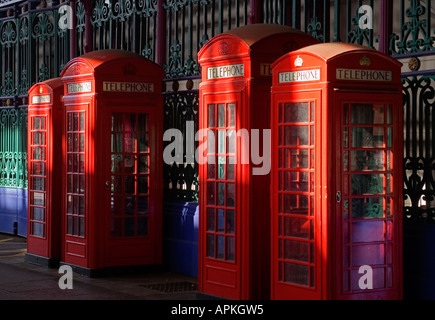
35, 47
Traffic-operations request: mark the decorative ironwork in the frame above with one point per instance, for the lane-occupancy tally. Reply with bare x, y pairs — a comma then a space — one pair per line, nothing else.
419, 160
415, 29
13, 148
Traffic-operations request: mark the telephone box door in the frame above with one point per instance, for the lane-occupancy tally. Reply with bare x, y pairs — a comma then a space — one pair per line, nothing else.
366, 196
296, 210
222, 222
132, 223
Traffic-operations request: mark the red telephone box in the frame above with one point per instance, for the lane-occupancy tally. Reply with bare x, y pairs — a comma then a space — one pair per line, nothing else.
44, 165
234, 233
112, 196
336, 174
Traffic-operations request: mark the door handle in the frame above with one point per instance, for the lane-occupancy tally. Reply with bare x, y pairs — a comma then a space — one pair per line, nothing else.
338, 196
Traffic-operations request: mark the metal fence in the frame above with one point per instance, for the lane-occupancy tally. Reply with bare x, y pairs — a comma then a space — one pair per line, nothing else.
35, 45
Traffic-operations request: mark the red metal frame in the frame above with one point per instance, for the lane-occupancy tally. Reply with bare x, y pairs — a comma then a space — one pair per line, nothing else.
333, 75
102, 84
45, 143
236, 70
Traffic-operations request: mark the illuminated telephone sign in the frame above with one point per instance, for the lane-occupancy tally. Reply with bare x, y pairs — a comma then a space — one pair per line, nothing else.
112, 192
44, 167
234, 232
336, 179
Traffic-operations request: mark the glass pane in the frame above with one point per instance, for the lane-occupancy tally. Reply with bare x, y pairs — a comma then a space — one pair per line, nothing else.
116, 163
367, 208
221, 115
221, 141
211, 171
211, 116
211, 193
367, 160
296, 159
370, 255
38, 153
143, 164
220, 247
296, 204
37, 198
210, 246
367, 114
368, 231
38, 168
231, 195
221, 194
221, 168
37, 214
296, 136
117, 142
117, 122
296, 181
210, 219
230, 221
296, 250
143, 143
129, 142
37, 229
296, 274
367, 184
231, 115
231, 141
143, 122
296, 112
296, 228
82, 122
229, 251
230, 168
142, 205
129, 208
142, 187
38, 184
220, 220
368, 137
142, 226
129, 227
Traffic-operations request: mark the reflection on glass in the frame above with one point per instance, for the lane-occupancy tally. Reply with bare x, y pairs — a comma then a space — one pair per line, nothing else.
367, 184
296, 112
367, 160
367, 114
367, 137
296, 136
211, 116
221, 115
367, 208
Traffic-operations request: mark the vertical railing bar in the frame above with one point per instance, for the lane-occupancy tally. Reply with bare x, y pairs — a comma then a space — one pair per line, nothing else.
221, 17
183, 32
229, 14
337, 24
237, 14
212, 18
326, 21
348, 19
189, 31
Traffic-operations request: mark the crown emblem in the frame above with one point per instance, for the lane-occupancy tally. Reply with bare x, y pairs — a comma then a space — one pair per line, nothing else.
299, 62
223, 49
40, 89
129, 69
365, 61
